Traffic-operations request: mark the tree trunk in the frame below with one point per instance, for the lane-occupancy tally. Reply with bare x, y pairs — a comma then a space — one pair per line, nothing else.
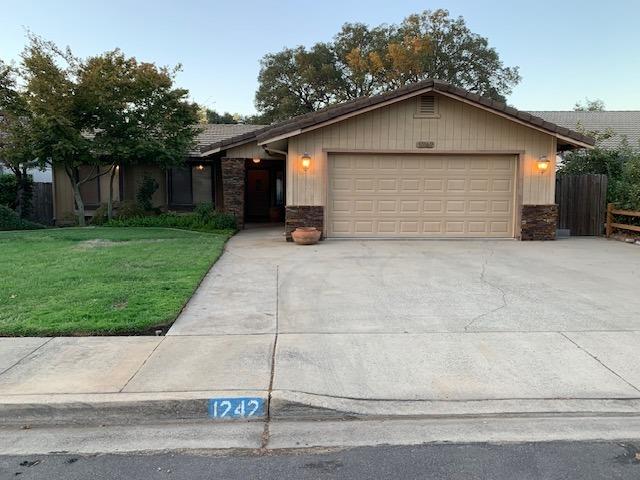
25, 193
19, 193
74, 177
79, 204
110, 201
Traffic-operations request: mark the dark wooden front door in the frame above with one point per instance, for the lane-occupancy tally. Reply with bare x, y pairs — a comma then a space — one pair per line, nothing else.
258, 194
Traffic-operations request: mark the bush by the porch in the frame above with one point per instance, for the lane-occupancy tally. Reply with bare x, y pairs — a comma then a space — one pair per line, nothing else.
203, 219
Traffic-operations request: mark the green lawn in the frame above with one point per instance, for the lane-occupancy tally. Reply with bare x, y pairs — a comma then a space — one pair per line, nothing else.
99, 281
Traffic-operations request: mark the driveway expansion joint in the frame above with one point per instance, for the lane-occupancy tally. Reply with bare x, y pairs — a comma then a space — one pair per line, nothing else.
142, 364
600, 362
264, 441
26, 356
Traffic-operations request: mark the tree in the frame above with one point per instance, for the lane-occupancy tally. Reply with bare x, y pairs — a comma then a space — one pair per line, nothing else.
16, 148
104, 111
214, 117
364, 61
596, 105
58, 132
135, 112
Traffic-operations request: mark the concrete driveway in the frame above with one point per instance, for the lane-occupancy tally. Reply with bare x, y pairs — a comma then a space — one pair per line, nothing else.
429, 321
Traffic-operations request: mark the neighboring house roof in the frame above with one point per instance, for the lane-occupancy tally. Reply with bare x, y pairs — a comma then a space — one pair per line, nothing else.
295, 124
218, 132
623, 123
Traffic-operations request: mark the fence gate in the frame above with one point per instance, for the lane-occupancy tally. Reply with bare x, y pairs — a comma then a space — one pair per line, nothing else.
42, 203
582, 203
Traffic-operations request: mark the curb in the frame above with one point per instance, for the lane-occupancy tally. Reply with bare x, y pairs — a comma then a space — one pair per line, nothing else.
112, 409
297, 405
149, 408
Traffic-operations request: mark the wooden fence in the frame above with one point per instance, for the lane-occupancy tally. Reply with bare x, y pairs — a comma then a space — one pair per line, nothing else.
582, 203
611, 223
42, 203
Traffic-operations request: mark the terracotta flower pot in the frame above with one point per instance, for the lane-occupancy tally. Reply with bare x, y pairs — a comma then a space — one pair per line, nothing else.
306, 235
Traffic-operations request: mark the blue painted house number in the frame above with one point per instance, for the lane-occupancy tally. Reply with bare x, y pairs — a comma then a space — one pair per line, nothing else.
236, 407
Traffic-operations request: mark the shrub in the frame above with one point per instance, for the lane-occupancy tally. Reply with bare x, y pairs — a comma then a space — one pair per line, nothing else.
144, 196
190, 221
9, 220
129, 210
621, 165
8, 189
205, 211
100, 216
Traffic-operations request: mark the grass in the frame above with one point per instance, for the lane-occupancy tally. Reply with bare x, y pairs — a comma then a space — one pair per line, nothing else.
99, 281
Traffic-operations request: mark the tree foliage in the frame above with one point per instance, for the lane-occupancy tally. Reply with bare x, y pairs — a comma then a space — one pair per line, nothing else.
16, 141
103, 111
211, 116
363, 61
596, 105
621, 165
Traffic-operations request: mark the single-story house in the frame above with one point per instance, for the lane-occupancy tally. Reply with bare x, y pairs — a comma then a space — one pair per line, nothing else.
428, 160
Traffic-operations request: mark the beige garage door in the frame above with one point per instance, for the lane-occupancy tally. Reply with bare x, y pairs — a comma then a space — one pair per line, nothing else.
420, 196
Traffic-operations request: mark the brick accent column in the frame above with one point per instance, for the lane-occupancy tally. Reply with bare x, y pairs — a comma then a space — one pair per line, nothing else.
233, 182
303, 216
539, 222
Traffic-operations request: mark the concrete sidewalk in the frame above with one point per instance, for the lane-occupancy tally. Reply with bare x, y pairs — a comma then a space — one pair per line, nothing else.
371, 329
141, 379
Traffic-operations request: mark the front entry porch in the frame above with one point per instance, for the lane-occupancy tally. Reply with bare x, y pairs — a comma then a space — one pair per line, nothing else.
254, 189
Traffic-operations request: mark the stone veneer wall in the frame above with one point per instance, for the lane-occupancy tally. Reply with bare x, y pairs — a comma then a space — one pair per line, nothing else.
303, 216
539, 222
233, 181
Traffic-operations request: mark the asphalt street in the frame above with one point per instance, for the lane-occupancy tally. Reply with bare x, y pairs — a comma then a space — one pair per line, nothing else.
550, 460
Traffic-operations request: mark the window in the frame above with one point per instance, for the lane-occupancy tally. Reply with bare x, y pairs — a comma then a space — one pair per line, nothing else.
202, 184
427, 107
180, 188
89, 190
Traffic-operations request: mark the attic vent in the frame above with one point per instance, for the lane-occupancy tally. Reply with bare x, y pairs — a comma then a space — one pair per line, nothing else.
427, 106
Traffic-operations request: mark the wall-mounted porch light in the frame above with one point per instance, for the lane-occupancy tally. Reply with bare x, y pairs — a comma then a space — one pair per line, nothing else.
256, 160
543, 163
306, 162
200, 167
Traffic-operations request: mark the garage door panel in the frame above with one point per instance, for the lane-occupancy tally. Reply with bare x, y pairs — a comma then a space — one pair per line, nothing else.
388, 185
428, 196
433, 185
499, 227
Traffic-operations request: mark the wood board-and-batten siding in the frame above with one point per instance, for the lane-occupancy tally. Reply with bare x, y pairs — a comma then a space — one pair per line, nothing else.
458, 127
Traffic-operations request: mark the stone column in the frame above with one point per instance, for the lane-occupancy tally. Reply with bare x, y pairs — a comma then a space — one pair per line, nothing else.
539, 222
303, 216
233, 183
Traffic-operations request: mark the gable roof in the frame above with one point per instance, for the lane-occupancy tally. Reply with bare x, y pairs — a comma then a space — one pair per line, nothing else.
623, 124
217, 133
296, 124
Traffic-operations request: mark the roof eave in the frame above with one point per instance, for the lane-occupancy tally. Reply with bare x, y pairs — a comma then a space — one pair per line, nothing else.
269, 138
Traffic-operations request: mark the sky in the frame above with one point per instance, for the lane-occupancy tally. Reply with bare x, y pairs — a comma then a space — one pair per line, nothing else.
567, 50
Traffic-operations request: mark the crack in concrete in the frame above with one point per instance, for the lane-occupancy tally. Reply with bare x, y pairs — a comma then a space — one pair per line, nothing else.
264, 440
486, 282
